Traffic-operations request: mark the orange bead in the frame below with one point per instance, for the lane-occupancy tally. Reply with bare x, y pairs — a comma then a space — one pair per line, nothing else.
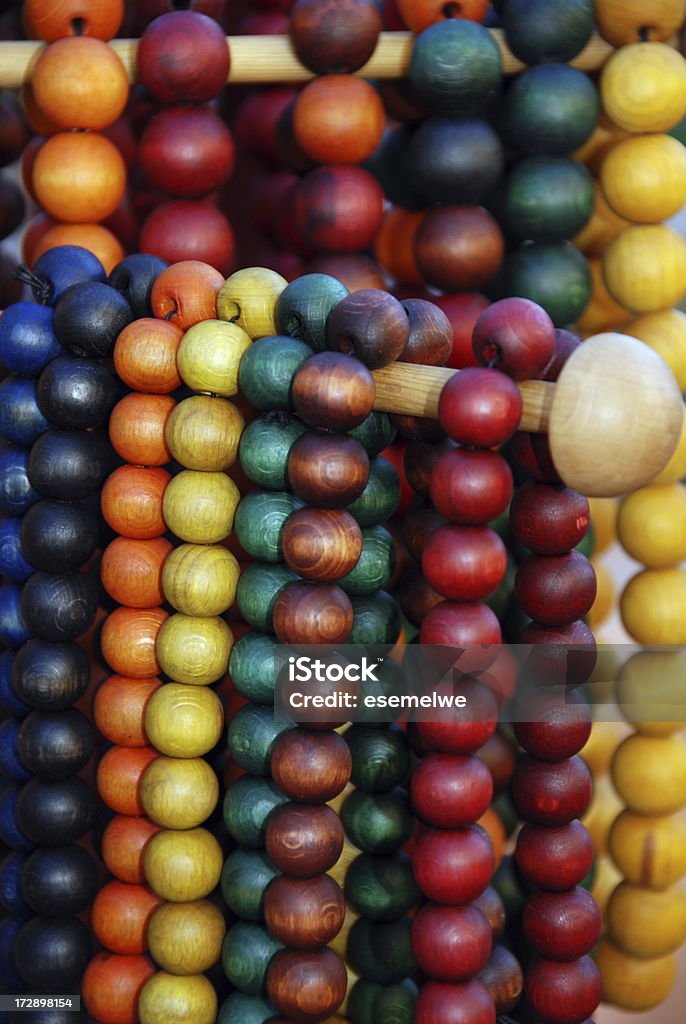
186, 293
419, 14
111, 986
119, 709
94, 237
120, 916
131, 501
38, 120
123, 846
128, 641
338, 119
145, 355
131, 571
79, 177
394, 245
119, 775
80, 82
493, 826
46, 19
137, 428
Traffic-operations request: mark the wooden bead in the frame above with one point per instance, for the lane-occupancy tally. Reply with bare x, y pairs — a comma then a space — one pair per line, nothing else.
353, 271
375, 566
76, 394
430, 340
649, 773
200, 580
98, 239
145, 355
244, 881
381, 888
312, 613
304, 841
394, 249
328, 470
334, 37
131, 571
503, 978
49, 23
249, 298
460, 623
123, 847
464, 563
657, 100
665, 333
199, 507
312, 767
111, 984
649, 604
381, 758
246, 953
50, 744
650, 525
179, 793
466, 1003
80, 83
492, 907
79, 177
119, 709
455, 67
253, 731
203, 164
551, 793
471, 487
132, 501
304, 913
265, 447
304, 306
601, 228
480, 407
556, 589
646, 923
451, 791
548, 519
338, 119
645, 267
128, 640
419, 15
194, 650
55, 606
267, 370
562, 926
337, 208
468, 732
209, 355
192, 51
451, 943
63, 464
184, 721
563, 993
168, 999
623, 23
333, 391
377, 823
380, 498
186, 938
306, 986
203, 433
257, 591
458, 248
453, 867
261, 517
183, 866
52, 813
632, 984
532, 454
554, 858
118, 778
369, 324
559, 727
547, 198
120, 915
675, 470
643, 178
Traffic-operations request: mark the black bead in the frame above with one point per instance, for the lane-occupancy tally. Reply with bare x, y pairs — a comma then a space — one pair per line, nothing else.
60, 535
69, 465
50, 676
55, 813
59, 882
59, 606
76, 393
55, 744
88, 318
134, 277
51, 955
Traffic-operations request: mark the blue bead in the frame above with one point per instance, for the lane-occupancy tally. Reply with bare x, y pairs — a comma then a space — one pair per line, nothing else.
13, 565
10, 763
9, 702
10, 833
9, 930
13, 630
11, 899
16, 492
21, 421
64, 265
27, 338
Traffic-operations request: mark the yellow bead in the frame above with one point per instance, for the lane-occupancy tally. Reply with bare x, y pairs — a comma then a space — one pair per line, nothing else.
249, 298
643, 87
644, 178
605, 881
194, 650
649, 851
183, 866
652, 606
203, 433
209, 356
200, 579
633, 984
602, 312
603, 522
186, 938
651, 525
179, 792
646, 923
183, 720
645, 267
603, 226
621, 21
600, 816
649, 773
650, 691
199, 507
675, 469
665, 333
168, 999
601, 745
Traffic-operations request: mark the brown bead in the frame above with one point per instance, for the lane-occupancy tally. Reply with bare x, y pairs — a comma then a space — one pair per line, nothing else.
369, 324
458, 248
303, 841
328, 470
333, 391
304, 913
419, 461
492, 907
416, 428
312, 767
312, 613
431, 334
418, 526
416, 597
332, 36
548, 519
321, 543
532, 453
306, 987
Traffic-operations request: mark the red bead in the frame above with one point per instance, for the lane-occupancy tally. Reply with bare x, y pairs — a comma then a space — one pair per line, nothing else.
304, 913
563, 993
187, 152
441, 1003
566, 345
182, 57
463, 310
548, 519
561, 656
517, 335
464, 563
337, 208
554, 858
471, 487
562, 925
453, 867
556, 589
451, 943
551, 793
419, 461
451, 791
532, 454
468, 728
328, 470
460, 624
560, 725
480, 407
184, 229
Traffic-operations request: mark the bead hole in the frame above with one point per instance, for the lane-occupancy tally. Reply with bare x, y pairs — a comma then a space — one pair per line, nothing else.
232, 311
78, 26
452, 10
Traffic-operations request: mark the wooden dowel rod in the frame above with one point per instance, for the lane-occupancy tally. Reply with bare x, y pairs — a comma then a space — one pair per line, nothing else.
413, 390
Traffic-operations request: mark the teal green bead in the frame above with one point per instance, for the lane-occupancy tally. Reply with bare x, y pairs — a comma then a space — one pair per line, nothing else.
381, 757
547, 199
267, 370
245, 876
551, 108
246, 953
264, 448
508, 884
381, 496
377, 822
371, 1003
381, 952
376, 619
252, 733
242, 1009
375, 433
259, 522
555, 276
381, 888
678, 132
252, 666
258, 588
587, 543
375, 565
455, 67
303, 307
500, 598
545, 30
248, 802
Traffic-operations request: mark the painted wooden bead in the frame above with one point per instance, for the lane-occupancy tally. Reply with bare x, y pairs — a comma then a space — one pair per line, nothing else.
380, 757
258, 589
249, 298
657, 100
179, 793
451, 943
251, 736
650, 525
111, 984
199, 507
381, 888
131, 571
559, 726
52, 950
166, 997
306, 986
376, 619
137, 428
67, 464
554, 589
665, 333
369, 324
304, 306
551, 793
55, 882
186, 938
460, 623
203, 433
464, 563
246, 953
562, 926
643, 178
131, 501
649, 773
200, 580
184, 721
381, 951
119, 709
333, 390
120, 915
267, 369
304, 913
128, 640
646, 923
333, 38
260, 521
377, 823
191, 649
45, 675
480, 407
248, 803
375, 433
633, 984
554, 858
375, 566
661, 252
244, 881
547, 198
123, 847
265, 448
209, 356
548, 519
563, 993
307, 612
183, 866
453, 867
649, 604
57, 536
119, 775
304, 841
338, 119
451, 791
622, 23
54, 813
455, 65
311, 767
471, 487
76, 394
145, 355
466, 1003
430, 340
321, 544
503, 978
58, 606
186, 292
252, 666
458, 248
531, 453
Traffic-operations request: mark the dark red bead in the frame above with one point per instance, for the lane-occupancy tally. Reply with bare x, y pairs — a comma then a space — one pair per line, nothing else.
451, 791
480, 407
555, 589
517, 335
562, 925
464, 563
418, 525
562, 993
549, 793
419, 461
337, 208
548, 519
453, 867
559, 725
466, 729
451, 943
532, 454
334, 36
471, 487
566, 345
561, 656
442, 1003
554, 858
460, 625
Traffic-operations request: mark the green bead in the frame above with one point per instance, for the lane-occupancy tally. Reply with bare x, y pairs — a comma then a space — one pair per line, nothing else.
245, 876
381, 952
507, 883
248, 802
547, 30
555, 276
242, 1009
500, 598
375, 565
381, 888
377, 822
304, 305
507, 812
361, 1001
678, 132
252, 733
381, 757
455, 67
587, 543
267, 370
375, 433
264, 448
259, 522
381, 496
547, 199
551, 108
394, 1004
246, 953
376, 619
390, 166
258, 588
252, 666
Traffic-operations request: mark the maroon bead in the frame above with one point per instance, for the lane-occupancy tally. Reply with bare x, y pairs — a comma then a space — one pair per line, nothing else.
563, 993
418, 525
555, 589
328, 470
441, 1003
463, 730
451, 943
416, 597
334, 36
187, 152
369, 324
561, 656
419, 460
548, 793
460, 625
471, 487
464, 563
562, 925
503, 978
554, 858
480, 407
182, 57
416, 428
548, 519
333, 391
559, 725
304, 840
453, 867
430, 340
451, 791
517, 335
532, 454
498, 754
566, 345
